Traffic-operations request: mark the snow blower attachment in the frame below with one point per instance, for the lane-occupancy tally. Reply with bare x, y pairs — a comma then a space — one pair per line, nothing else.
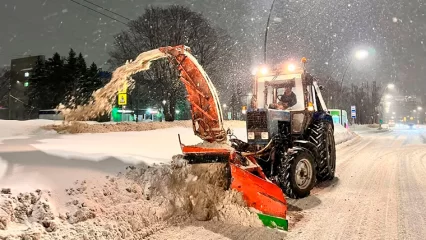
241, 173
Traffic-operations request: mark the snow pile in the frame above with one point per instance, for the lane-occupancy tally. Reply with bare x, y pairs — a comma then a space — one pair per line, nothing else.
132, 205
93, 127
12, 128
341, 134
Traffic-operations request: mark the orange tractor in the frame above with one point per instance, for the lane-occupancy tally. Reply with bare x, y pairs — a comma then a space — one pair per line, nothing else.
288, 149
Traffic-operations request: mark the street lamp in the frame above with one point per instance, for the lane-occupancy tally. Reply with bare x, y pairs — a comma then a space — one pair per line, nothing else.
361, 54
391, 86
419, 108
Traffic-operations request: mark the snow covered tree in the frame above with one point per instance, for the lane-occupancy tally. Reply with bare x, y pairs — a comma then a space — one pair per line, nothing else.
71, 75
92, 83
171, 26
56, 81
81, 81
38, 88
4, 86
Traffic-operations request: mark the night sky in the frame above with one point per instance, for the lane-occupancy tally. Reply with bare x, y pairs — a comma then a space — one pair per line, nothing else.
325, 31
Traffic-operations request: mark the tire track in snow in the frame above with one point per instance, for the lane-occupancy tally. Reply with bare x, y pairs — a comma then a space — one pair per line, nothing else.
368, 173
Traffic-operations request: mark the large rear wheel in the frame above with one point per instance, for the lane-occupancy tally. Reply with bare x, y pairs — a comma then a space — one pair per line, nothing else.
297, 174
322, 135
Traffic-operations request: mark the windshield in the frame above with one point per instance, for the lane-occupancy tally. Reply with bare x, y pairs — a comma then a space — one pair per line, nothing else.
283, 92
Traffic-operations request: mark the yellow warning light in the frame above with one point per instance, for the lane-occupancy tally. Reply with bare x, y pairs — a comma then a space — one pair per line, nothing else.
310, 106
304, 60
244, 110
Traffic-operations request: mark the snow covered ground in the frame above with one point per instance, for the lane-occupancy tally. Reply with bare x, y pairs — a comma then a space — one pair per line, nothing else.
32, 158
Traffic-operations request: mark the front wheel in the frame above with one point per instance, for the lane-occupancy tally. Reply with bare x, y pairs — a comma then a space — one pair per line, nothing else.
297, 175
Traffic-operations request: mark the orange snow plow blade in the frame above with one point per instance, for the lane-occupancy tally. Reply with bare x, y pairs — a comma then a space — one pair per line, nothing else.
258, 192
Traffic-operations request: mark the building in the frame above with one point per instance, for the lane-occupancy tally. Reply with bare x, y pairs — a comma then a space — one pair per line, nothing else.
20, 71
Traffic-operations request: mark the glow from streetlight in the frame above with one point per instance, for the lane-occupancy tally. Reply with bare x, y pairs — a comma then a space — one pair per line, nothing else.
291, 67
254, 71
361, 54
391, 86
164, 102
419, 108
224, 105
177, 111
388, 96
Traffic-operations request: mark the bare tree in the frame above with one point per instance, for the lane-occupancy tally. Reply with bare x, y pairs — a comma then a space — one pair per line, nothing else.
175, 25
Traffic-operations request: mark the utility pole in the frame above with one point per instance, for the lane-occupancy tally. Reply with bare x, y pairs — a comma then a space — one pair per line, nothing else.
266, 31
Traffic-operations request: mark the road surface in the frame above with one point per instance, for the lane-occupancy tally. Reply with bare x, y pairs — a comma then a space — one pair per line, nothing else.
379, 192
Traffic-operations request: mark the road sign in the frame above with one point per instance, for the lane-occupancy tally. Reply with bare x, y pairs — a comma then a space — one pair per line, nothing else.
122, 99
124, 90
353, 111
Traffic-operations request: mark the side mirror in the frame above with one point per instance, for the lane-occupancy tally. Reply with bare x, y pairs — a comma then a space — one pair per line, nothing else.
321, 87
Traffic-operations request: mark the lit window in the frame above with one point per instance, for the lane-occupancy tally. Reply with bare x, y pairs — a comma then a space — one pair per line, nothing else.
26, 74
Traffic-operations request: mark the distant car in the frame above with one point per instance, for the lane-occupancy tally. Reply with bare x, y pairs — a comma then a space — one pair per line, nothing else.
391, 123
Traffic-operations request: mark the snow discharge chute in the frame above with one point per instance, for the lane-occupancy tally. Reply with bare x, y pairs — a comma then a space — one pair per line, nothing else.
202, 95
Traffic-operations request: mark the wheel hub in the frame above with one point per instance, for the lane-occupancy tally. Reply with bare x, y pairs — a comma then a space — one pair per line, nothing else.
303, 173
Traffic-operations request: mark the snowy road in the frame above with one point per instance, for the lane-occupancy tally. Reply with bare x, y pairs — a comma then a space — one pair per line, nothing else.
379, 192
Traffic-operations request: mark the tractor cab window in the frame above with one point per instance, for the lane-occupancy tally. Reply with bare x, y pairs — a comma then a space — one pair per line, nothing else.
284, 92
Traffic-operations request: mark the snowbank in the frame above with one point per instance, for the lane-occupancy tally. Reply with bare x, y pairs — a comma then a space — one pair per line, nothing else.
133, 205
94, 127
341, 134
13, 128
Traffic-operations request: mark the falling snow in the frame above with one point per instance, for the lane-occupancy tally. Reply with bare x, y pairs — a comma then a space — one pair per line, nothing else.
326, 31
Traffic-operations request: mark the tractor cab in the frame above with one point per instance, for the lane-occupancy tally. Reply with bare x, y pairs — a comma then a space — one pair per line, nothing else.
284, 102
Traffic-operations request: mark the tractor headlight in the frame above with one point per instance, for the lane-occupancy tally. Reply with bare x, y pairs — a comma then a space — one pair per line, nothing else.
265, 135
250, 135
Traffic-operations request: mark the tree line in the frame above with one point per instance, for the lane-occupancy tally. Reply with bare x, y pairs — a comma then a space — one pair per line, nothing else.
223, 60
62, 80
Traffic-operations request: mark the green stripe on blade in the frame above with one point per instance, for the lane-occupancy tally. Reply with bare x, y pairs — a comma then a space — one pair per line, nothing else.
273, 222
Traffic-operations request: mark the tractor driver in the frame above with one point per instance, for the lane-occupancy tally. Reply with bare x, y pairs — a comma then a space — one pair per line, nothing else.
288, 99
